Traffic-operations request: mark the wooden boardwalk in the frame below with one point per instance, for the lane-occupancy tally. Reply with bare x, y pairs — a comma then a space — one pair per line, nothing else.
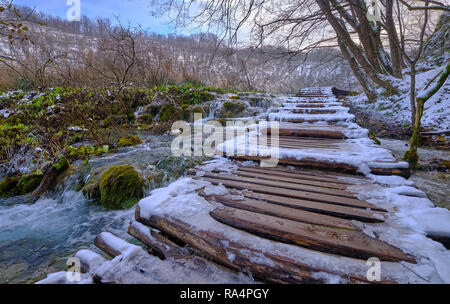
306, 214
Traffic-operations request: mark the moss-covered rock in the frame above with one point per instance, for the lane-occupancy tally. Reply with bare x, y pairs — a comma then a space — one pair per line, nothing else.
170, 113
91, 189
145, 119
231, 109
129, 141
62, 164
8, 186
29, 183
15, 185
190, 111
121, 187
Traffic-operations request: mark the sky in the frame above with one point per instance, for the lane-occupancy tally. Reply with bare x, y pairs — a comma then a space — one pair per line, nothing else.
137, 12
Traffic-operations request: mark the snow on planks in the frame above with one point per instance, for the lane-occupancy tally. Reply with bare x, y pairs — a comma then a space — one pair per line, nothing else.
300, 207
338, 241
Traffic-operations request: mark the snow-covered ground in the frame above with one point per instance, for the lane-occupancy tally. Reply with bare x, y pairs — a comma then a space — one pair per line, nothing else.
397, 108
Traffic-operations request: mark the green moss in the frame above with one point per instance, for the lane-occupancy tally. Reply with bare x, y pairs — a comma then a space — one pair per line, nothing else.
29, 183
235, 107
120, 187
15, 185
373, 137
8, 186
145, 119
62, 164
170, 113
91, 189
235, 97
412, 158
129, 141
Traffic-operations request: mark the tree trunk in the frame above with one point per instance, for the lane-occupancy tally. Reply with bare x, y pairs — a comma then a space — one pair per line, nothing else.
411, 155
396, 55
358, 55
413, 94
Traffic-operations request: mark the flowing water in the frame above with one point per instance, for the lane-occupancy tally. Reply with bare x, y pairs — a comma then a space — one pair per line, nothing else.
36, 239
434, 183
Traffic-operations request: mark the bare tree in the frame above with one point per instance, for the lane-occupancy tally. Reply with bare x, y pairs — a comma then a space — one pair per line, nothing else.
304, 25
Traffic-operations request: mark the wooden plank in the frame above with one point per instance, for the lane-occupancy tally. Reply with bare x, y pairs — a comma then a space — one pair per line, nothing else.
318, 173
312, 162
279, 184
303, 120
312, 139
305, 146
265, 266
348, 243
324, 198
298, 174
157, 244
309, 105
292, 180
313, 111
344, 212
280, 211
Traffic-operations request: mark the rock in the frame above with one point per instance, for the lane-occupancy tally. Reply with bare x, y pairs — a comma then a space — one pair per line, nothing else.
121, 187
13, 186
154, 177
146, 118
91, 189
170, 113
29, 183
231, 109
129, 141
190, 110
8, 186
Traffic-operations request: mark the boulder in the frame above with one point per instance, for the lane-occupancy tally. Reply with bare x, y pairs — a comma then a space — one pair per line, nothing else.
129, 141
121, 187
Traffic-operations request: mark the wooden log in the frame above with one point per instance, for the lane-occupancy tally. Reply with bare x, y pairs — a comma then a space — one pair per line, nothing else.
48, 179
348, 243
280, 211
111, 244
188, 270
339, 92
88, 259
297, 174
309, 105
312, 162
318, 173
311, 139
280, 184
318, 197
313, 111
267, 267
303, 120
343, 212
157, 244
297, 180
